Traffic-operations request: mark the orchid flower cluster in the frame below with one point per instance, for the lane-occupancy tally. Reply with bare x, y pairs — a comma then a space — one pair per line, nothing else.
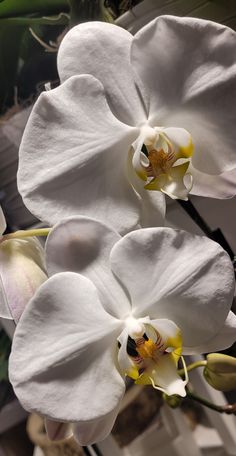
118, 294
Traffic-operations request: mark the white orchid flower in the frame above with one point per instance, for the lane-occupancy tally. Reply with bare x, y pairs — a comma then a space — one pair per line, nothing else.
133, 115
113, 307
22, 271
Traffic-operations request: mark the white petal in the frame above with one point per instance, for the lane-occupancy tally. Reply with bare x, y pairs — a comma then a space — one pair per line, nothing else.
95, 431
153, 207
175, 183
103, 50
176, 275
83, 245
21, 273
3, 224
166, 376
189, 68
78, 166
168, 330
57, 430
224, 339
125, 363
220, 186
181, 140
61, 364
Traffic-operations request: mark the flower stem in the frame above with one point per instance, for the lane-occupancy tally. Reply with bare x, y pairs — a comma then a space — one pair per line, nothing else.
230, 409
192, 366
195, 216
21, 234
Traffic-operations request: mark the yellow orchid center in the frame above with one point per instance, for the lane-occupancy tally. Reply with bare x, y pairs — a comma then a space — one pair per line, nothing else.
160, 162
150, 358
150, 349
161, 159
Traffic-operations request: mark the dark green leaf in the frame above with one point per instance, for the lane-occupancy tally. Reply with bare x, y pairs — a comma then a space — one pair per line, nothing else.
12, 8
60, 19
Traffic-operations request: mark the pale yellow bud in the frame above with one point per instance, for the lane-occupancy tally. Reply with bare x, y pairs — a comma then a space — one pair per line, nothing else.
220, 371
22, 271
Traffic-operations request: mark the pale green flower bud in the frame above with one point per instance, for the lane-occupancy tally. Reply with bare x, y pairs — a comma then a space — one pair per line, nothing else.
173, 401
220, 371
22, 271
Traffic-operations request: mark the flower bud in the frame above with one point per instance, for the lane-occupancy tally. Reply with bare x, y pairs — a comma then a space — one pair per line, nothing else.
173, 401
22, 271
220, 371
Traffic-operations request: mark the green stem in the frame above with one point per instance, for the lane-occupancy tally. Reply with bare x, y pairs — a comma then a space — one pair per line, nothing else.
192, 366
228, 408
21, 234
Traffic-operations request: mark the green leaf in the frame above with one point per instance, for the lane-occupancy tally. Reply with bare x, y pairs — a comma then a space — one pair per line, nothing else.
60, 19
12, 8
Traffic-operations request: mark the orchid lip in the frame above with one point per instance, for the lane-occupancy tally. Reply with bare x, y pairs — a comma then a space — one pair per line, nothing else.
150, 356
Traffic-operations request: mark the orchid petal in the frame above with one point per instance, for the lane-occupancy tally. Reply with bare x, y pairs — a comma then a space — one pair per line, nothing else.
153, 206
190, 72
163, 375
181, 140
172, 183
3, 224
220, 186
138, 159
21, 273
95, 431
175, 186
101, 47
178, 276
124, 361
57, 430
83, 245
224, 338
79, 165
170, 334
68, 361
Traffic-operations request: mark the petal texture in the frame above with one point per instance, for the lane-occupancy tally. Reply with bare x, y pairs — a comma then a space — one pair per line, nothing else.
57, 430
61, 363
164, 374
190, 71
103, 50
176, 275
153, 205
78, 166
220, 186
83, 245
21, 273
95, 431
224, 339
